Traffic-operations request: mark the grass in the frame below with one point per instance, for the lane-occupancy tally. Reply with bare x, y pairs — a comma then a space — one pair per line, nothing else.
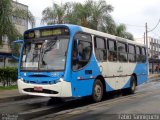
9, 87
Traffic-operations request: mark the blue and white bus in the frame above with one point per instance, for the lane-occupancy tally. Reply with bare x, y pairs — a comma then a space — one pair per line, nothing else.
72, 61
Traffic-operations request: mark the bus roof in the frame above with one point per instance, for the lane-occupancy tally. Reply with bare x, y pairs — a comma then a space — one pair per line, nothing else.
99, 33
90, 31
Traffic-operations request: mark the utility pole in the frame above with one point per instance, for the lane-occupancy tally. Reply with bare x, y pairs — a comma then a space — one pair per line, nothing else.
146, 37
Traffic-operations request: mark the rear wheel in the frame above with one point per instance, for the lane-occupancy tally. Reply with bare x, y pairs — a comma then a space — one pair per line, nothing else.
132, 85
97, 93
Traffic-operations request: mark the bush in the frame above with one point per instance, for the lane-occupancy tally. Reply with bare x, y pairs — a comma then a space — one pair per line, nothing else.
8, 75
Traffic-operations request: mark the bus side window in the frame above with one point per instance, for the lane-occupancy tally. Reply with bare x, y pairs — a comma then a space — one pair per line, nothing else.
122, 52
75, 55
138, 54
81, 51
143, 55
100, 49
112, 50
131, 53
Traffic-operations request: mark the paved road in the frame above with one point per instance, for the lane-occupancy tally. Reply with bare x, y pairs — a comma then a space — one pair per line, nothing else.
145, 101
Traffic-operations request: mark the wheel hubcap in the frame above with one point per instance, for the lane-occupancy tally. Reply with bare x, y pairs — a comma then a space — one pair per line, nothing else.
98, 91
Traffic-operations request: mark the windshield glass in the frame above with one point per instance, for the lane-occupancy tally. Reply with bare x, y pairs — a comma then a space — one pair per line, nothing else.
47, 54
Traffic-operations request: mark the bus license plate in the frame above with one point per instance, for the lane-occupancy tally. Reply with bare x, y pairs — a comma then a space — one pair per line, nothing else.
38, 89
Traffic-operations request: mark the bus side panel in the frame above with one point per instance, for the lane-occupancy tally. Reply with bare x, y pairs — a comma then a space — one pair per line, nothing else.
117, 75
68, 70
82, 82
108, 87
123, 79
127, 85
141, 71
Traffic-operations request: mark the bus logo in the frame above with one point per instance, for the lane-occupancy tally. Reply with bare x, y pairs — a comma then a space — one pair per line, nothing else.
120, 69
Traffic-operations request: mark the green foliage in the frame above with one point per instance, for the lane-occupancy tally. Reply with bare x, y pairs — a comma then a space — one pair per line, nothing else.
91, 14
16, 50
121, 32
9, 87
6, 25
54, 14
8, 75
24, 15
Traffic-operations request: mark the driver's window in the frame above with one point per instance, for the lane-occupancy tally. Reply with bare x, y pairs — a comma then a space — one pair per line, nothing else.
82, 48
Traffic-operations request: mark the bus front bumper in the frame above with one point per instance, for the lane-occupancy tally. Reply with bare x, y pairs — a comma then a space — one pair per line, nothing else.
60, 89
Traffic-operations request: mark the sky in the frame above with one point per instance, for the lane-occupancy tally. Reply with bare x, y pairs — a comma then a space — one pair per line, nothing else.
133, 13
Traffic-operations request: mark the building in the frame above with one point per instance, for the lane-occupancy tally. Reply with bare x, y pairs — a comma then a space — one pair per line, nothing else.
153, 46
153, 53
21, 25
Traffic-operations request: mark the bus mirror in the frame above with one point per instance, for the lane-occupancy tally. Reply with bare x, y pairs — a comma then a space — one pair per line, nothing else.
16, 48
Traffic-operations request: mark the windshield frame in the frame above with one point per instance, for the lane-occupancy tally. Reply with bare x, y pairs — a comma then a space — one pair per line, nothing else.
40, 40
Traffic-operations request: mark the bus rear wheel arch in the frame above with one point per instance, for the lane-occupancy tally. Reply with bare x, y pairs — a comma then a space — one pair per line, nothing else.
98, 90
132, 87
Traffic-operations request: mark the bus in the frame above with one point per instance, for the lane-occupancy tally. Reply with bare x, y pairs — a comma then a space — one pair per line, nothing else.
70, 61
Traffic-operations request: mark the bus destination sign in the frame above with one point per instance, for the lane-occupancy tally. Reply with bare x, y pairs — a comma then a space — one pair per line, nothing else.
45, 33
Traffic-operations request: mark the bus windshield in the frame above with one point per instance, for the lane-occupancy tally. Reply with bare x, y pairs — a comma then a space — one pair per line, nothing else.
47, 54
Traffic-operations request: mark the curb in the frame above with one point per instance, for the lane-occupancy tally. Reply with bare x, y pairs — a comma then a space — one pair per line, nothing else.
16, 98
154, 79
154, 76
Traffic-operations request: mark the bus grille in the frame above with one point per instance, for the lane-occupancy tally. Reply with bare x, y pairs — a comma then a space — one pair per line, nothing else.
43, 91
39, 82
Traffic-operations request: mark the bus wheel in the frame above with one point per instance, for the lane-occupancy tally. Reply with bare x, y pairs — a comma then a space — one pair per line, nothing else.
132, 85
97, 93
56, 100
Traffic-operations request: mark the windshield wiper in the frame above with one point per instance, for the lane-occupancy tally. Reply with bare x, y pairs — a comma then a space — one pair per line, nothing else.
47, 47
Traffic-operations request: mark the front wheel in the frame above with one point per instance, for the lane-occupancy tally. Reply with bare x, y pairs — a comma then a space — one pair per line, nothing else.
97, 93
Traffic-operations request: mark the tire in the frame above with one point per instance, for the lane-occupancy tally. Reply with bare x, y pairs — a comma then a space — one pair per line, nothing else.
132, 85
56, 100
98, 90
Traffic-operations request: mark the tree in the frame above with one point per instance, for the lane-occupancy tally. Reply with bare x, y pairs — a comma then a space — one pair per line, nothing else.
23, 14
99, 13
121, 32
91, 14
82, 13
108, 25
6, 25
54, 14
